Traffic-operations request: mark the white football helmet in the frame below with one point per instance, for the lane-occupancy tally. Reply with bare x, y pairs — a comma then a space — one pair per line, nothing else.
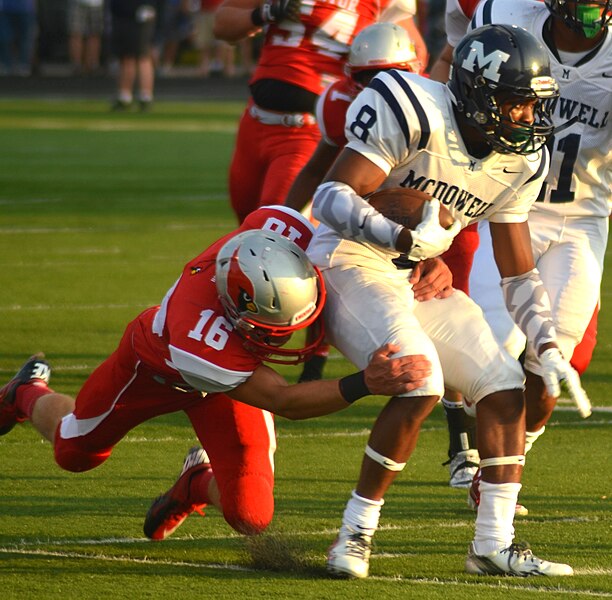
382, 46
269, 289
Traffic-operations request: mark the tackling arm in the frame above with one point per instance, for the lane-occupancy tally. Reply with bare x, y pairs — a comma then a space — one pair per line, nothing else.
311, 175
387, 376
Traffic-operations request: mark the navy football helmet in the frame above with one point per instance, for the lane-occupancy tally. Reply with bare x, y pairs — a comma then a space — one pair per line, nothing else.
585, 17
499, 63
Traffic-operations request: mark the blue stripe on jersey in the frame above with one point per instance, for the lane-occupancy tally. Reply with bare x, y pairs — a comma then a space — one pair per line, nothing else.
542, 167
391, 100
487, 9
420, 111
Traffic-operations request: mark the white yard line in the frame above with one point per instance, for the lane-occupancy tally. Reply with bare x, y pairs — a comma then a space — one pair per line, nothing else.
497, 584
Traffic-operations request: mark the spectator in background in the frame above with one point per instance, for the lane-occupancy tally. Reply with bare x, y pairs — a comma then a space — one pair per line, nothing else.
214, 55
85, 28
133, 30
18, 29
177, 26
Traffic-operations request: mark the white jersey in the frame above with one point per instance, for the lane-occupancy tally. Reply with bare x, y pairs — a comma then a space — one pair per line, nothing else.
405, 125
457, 19
580, 178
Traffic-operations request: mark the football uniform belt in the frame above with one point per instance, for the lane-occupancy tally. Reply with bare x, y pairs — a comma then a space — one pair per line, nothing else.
268, 117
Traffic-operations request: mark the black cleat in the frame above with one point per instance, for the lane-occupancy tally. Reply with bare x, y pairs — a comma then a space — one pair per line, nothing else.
35, 369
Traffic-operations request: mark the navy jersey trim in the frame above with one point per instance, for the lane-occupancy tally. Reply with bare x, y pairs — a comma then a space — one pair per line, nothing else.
420, 111
542, 167
391, 100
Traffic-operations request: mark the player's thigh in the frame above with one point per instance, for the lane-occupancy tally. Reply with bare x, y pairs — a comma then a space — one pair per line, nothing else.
288, 149
247, 168
113, 401
570, 266
238, 438
473, 362
366, 309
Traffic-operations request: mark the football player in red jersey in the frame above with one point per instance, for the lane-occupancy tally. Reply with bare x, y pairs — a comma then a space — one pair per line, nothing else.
202, 351
304, 49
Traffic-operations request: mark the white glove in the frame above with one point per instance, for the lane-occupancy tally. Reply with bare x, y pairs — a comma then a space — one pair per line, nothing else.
555, 369
430, 239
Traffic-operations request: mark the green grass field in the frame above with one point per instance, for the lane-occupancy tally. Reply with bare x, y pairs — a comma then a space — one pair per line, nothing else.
98, 214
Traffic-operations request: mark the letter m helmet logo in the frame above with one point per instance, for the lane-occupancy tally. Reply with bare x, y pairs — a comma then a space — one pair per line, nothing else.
489, 63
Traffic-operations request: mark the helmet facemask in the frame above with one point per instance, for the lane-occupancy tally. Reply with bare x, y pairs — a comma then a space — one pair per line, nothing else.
586, 18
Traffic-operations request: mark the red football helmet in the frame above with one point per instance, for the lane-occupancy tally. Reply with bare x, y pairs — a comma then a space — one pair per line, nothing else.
269, 290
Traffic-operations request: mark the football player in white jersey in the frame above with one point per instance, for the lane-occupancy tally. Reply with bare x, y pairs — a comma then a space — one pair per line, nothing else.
569, 221
477, 146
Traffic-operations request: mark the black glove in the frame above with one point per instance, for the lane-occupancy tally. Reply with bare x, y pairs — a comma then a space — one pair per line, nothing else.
273, 11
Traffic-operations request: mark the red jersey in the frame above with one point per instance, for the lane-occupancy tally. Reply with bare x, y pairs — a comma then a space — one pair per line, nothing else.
331, 110
189, 337
311, 53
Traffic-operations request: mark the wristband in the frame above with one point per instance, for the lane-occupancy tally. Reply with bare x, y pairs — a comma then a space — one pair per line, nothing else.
353, 387
256, 17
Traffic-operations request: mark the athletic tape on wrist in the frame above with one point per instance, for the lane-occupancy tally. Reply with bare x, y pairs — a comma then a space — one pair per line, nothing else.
497, 461
388, 463
353, 387
528, 303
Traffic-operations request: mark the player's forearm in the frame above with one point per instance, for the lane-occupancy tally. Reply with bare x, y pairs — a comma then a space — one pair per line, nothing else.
341, 208
234, 23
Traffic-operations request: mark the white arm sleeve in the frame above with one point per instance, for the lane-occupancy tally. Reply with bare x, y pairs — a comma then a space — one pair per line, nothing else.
341, 208
528, 304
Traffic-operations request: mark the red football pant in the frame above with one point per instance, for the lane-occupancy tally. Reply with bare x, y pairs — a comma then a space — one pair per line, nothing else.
121, 393
460, 256
266, 160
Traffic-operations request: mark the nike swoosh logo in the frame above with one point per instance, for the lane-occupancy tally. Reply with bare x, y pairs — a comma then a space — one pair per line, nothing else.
607, 75
511, 172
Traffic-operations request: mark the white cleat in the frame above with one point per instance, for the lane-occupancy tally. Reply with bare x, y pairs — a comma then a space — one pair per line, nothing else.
349, 555
463, 466
516, 560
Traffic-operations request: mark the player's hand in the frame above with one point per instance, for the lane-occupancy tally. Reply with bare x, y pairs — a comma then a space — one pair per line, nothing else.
430, 239
431, 278
387, 376
273, 11
556, 370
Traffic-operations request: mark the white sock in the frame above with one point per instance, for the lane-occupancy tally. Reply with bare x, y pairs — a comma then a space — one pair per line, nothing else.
531, 437
495, 519
362, 514
125, 97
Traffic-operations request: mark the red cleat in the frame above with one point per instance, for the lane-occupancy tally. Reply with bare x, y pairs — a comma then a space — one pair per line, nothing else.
169, 510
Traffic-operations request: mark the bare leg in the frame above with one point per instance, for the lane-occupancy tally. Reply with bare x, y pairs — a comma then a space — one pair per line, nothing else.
539, 404
394, 436
146, 74
49, 411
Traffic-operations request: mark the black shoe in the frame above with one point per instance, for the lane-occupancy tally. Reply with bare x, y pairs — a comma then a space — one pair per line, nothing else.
35, 369
145, 105
121, 106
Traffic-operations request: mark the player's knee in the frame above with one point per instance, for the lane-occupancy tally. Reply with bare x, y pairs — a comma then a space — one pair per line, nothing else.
72, 458
248, 504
